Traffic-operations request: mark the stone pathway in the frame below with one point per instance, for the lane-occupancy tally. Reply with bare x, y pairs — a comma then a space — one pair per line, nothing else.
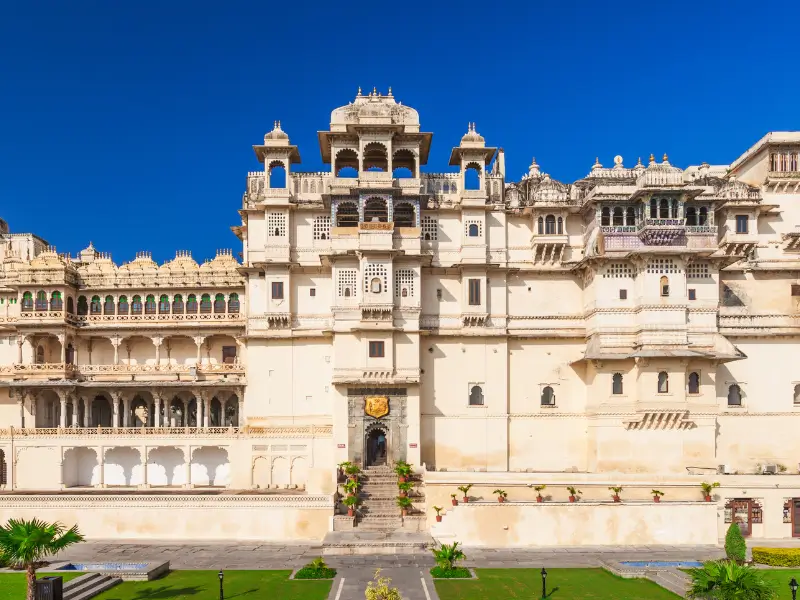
413, 584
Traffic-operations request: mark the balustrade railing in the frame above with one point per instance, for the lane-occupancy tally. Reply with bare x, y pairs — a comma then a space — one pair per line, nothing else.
291, 431
174, 318
648, 222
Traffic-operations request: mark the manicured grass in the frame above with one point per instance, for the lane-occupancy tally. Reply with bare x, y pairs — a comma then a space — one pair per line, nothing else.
781, 578
12, 585
204, 585
562, 584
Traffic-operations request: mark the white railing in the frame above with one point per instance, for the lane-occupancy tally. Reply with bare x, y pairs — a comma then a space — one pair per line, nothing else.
289, 431
170, 368
162, 318
40, 368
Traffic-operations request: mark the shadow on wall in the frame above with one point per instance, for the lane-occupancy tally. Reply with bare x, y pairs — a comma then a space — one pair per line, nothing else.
210, 466
165, 466
120, 464
81, 467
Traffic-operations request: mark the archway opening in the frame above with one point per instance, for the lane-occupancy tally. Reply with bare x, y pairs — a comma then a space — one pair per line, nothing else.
377, 448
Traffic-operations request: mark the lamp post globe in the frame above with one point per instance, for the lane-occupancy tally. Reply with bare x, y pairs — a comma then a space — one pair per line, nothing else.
221, 576
544, 583
793, 587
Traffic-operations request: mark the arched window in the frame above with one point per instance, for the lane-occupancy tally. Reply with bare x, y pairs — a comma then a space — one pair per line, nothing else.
664, 285
476, 396
453, 187
41, 300
70, 305
122, 305
150, 305
177, 304
605, 216
56, 303
95, 307
233, 303
375, 285
663, 382
663, 208
472, 230
618, 218
703, 218
346, 165
205, 304
376, 211
797, 394
404, 215
375, 157
734, 395
630, 217
616, 383
653, 208
27, 301
446, 188
472, 176
674, 205
40, 355
691, 216
191, 304
694, 383
347, 215
540, 228
108, 306
403, 164
560, 228
548, 396
277, 174
136, 305
83, 306
163, 304
219, 303
347, 292
69, 354
549, 225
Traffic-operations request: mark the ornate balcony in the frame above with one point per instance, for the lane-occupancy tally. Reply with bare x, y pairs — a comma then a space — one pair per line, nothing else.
116, 320
661, 232
39, 371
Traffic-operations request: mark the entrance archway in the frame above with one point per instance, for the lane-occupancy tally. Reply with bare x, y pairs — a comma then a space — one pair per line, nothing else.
377, 447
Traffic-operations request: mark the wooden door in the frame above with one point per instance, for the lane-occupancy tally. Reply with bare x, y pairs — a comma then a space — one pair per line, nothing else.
795, 517
743, 515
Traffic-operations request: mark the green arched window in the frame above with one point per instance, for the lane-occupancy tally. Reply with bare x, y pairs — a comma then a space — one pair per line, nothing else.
163, 305
219, 303
108, 306
136, 305
41, 300
83, 306
27, 301
205, 303
56, 303
191, 304
150, 305
177, 304
96, 306
122, 305
233, 303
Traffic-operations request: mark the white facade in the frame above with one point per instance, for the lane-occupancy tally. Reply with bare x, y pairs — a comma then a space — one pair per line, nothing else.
635, 327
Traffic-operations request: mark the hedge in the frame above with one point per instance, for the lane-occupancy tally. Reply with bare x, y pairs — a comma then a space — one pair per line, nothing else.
777, 557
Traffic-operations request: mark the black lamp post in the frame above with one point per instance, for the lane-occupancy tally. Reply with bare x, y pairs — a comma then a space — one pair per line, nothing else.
793, 587
221, 575
544, 584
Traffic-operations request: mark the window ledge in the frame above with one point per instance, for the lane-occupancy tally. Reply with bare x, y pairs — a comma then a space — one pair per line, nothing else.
548, 406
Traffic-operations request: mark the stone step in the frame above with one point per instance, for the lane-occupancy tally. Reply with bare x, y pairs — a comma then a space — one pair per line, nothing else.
673, 581
84, 589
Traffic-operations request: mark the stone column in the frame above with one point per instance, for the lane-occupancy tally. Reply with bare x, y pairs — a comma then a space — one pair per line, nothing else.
116, 343
126, 411
63, 341
188, 456
62, 417
240, 397
143, 455
198, 340
20, 341
185, 418
115, 408
87, 410
21, 402
157, 343
102, 458
207, 409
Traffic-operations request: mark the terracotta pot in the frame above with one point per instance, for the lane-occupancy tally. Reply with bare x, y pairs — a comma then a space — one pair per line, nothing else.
351, 512
539, 499
455, 502
350, 494
402, 479
616, 498
656, 498
572, 498
404, 512
438, 518
403, 493
708, 498
465, 499
501, 499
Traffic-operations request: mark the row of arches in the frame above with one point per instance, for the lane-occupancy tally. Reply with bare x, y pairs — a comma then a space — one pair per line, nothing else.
164, 305
549, 225
376, 210
375, 158
659, 209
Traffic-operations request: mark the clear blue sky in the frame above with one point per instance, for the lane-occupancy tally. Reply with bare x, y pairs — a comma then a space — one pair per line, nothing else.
131, 123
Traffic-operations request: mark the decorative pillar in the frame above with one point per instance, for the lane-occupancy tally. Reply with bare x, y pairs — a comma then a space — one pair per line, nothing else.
87, 410
157, 343
116, 343
240, 414
198, 340
115, 401
206, 409
156, 409
185, 418
143, 455
102, 457
62, 417
126, 411
188, 454
21, 402
20, 341
62, 339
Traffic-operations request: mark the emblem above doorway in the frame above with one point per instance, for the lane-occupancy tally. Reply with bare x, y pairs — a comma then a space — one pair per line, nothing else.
376, 406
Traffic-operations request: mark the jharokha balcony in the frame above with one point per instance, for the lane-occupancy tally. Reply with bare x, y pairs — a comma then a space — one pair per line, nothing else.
105, 372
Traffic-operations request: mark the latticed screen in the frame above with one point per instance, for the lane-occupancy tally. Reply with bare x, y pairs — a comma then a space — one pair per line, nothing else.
276, 224
698, 271
430, 228
347, 283
322, 228
404, 283
374, 270
618, 270
662, 265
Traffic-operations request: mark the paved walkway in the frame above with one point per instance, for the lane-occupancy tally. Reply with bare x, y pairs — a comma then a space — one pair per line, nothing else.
413, 584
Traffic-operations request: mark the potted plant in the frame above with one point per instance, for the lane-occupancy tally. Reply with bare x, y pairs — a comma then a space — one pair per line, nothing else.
350, 502
404, 502
539, 488
707, 487
351, 487
405, 487
574, 493
403, 470
501, 495
352, 471
657, 495
453, 499
464, 489
615, 490
438, 510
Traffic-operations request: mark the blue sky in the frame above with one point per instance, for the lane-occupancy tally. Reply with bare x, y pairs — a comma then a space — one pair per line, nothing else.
132, 124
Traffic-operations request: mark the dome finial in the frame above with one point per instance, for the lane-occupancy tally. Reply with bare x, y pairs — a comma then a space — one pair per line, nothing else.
390, 90
665, 157
374, 90
359, 92
639, 162
652, 158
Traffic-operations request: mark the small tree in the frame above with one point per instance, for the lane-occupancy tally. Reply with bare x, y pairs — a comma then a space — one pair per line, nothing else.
448, 555
26, 543
380, 588
724, 580
735, 546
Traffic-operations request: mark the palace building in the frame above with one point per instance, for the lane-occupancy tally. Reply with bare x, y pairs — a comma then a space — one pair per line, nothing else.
639, 327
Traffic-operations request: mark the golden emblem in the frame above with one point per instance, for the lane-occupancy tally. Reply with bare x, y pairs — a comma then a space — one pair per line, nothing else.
377, 406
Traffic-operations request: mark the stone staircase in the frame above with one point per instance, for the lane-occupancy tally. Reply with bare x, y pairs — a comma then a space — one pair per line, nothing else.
378, 510
674, 580
88, 586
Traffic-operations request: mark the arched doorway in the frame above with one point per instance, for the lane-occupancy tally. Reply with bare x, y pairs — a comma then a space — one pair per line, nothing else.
377, 446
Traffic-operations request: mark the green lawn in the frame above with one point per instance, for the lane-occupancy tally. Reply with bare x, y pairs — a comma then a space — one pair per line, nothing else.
781, 578
204, 585
12, 585
562, 584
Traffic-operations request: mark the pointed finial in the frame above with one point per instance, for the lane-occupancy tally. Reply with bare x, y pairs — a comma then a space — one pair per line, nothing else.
279, 124
374, 90
597, 160
665, 157
359, 91
652, 158
639, 162
390, 90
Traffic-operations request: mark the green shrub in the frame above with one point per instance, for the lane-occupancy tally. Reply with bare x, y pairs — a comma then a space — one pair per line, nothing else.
735, 546
316, 569
777, 557
454, 573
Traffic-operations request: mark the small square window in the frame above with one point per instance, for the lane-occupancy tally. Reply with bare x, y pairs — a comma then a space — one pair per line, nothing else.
692, 294
474, 292
741, 223
795, 289
623, 294
277, 290
439, 293
312, 292
376, 350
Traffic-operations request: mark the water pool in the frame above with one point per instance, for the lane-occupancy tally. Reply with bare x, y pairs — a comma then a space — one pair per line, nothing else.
104, 566
664, 564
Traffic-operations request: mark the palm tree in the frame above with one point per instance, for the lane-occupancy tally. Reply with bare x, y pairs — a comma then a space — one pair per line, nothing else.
448, 555
727, 580
25, 543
